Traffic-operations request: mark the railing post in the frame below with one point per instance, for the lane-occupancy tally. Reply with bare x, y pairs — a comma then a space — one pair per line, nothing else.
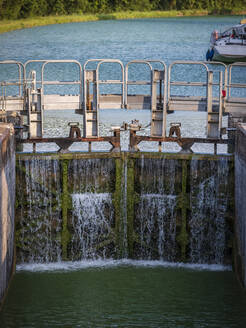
220, 104
90, 110
212, 116
156, 109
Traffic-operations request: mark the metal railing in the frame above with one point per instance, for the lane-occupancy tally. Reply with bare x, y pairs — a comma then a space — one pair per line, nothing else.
7, 101
215, 99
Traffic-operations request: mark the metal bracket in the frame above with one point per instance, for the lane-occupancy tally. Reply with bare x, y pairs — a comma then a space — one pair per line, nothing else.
175, 129
74, 130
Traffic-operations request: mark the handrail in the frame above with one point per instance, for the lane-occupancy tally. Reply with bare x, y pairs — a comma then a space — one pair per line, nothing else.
84, 77
235, 85
146, 62
19, 64
60, 61
228, 84
220, 64
116, 61
184, 62
101, 61
78, 82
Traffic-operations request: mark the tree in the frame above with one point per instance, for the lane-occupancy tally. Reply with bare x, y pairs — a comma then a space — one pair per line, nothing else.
57, 7
76, 6
33, 8
11, 9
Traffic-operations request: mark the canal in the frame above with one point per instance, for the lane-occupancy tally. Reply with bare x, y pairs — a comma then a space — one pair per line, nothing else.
121, 293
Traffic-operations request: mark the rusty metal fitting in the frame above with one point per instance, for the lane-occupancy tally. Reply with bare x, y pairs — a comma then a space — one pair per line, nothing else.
135, 126
124, 126
74, 130
175, 130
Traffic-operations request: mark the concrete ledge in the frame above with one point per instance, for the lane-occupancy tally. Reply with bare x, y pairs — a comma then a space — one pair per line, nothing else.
7, 205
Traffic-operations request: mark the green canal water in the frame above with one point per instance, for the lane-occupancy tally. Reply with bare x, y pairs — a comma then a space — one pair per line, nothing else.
124, 295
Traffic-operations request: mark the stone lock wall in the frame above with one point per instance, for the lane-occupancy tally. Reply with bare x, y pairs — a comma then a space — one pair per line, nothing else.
240, 203
7, 205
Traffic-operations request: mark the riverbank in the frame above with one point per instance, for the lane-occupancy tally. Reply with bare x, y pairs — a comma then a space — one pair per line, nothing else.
10, 25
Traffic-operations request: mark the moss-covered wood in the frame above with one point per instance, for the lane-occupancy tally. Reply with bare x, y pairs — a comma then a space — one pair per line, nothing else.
182, 235
118, 208
130, 198
65, 197
155, 206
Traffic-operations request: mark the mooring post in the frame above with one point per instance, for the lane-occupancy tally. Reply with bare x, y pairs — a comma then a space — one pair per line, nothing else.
134, 126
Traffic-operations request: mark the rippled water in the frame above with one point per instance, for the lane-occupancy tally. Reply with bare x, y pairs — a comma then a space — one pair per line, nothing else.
125, 295
167, 39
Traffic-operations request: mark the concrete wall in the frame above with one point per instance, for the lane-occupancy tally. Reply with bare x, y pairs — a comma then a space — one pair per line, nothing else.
7, 205
240, 202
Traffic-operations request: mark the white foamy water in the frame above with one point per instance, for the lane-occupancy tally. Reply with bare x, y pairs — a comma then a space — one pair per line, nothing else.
157, 217
103, 264
91, 223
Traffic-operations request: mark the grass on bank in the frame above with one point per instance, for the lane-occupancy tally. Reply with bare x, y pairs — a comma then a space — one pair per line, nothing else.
10, 25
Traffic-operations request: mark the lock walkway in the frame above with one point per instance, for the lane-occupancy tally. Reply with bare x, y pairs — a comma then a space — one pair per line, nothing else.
140, 84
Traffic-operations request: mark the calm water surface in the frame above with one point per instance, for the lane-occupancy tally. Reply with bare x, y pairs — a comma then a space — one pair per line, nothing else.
125, 296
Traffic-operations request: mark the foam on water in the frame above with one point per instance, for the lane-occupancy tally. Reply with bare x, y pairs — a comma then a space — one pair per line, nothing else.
103, 264
90, 224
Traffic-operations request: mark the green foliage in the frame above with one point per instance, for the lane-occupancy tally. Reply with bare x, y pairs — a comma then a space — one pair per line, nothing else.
76, 6
16, 9
32, 8
11, 9
58, 8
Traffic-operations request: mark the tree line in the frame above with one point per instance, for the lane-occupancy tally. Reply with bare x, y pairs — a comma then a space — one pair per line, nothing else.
15, 9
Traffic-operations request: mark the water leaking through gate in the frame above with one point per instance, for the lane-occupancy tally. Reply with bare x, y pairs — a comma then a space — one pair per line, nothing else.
173, 208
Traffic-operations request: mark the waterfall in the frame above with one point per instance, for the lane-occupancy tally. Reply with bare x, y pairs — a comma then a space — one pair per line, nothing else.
124, 205
209, 199
157, 227
156, 215
91, 175
92, 209
91, 220
39, 202
167, 209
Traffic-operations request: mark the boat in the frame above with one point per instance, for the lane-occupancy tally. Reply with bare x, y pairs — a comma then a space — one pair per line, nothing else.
228, 46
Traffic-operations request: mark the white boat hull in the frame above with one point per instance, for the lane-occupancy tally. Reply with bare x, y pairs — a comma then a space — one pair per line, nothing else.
228, 46
229, 53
